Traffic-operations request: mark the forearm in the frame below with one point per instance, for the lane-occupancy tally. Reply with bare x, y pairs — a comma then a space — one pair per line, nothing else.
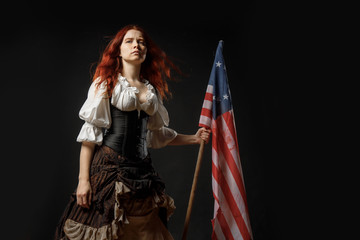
86, 154
182, 139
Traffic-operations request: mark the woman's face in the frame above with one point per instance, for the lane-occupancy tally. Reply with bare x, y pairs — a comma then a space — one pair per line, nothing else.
133, 47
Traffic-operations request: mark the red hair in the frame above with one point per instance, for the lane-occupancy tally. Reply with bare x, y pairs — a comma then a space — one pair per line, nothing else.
156, 68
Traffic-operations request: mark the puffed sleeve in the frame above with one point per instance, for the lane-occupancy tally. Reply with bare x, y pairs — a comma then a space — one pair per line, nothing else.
96, 114
159, 135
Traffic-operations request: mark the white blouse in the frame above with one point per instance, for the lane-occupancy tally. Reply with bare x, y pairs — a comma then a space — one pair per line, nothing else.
96, 112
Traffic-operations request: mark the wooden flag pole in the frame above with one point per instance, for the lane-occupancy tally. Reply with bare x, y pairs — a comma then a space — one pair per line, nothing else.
193, 188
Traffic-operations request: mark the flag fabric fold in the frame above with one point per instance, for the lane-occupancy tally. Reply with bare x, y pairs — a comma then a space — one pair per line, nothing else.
231, 217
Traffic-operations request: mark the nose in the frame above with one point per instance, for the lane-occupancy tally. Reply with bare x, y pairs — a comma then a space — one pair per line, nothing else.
136, 44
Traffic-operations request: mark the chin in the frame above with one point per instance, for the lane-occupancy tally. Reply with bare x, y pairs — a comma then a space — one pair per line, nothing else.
134, 60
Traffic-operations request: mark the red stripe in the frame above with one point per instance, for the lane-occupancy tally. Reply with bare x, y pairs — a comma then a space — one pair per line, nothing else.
229, 119
219, 177
215, 197
234, 170
219, 214
230, 162
208, 96
213, 235
220, 146
224, 226
206, 112
233, 205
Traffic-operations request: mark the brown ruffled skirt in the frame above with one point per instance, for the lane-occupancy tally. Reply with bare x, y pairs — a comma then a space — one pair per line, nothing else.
128, 202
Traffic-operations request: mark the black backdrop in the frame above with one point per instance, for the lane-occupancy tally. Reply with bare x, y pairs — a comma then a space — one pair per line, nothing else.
47, 51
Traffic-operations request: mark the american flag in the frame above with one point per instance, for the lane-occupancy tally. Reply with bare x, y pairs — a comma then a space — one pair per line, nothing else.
231, 217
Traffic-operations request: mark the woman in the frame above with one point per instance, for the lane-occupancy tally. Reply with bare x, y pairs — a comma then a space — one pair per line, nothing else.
119, 194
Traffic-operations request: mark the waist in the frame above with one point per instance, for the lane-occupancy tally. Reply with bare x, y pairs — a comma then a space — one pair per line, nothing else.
127, 146
127, 134
114, 160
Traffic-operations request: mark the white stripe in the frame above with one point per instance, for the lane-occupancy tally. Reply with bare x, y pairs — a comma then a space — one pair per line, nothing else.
207, 104
214, 184
215, 158
218, 231
209, 89
205, 120
216, 204
217, 228
229, 218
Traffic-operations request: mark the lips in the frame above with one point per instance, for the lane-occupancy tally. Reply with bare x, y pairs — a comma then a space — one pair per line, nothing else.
135, 52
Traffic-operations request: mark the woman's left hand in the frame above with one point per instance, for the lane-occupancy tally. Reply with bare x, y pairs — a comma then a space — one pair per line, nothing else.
203, 134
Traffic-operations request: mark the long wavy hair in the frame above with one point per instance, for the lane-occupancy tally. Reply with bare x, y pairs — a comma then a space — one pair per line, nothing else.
156, 68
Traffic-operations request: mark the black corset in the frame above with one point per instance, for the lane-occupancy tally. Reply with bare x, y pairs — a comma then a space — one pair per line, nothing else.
127, 134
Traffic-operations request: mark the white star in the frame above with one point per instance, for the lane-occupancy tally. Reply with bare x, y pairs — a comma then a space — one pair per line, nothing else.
218, 64
214, 97
226, 97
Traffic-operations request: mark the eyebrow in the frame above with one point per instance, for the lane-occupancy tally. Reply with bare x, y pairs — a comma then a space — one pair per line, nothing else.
131, 38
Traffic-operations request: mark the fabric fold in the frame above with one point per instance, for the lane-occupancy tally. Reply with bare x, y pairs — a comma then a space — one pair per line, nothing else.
119, 210
90, 133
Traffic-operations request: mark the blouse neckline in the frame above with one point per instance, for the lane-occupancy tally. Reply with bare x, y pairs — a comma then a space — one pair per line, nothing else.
124, 82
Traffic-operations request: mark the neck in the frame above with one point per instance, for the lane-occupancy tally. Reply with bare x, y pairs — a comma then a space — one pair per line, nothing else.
131, 71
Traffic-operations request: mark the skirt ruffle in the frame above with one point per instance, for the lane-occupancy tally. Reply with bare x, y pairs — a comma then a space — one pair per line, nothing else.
128, 202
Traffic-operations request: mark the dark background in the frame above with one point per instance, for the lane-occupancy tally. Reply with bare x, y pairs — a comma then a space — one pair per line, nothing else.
47, 51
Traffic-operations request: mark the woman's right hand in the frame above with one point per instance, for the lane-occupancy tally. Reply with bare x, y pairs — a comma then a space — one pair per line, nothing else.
84, 194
